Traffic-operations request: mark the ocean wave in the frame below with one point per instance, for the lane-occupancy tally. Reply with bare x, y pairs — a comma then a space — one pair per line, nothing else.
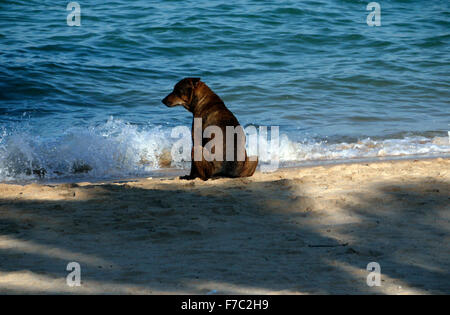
117, 149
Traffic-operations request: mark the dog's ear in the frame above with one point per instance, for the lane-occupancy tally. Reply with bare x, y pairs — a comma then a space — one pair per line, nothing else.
195, 81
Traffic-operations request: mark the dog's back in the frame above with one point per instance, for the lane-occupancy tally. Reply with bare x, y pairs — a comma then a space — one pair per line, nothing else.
215, 113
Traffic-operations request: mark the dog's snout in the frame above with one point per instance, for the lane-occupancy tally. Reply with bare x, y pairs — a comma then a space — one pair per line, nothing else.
165, 101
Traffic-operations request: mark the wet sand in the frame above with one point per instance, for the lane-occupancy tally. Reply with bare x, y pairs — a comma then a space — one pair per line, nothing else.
296, 231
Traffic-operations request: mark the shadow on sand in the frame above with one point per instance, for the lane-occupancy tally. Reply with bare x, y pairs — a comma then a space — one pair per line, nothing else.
190, 238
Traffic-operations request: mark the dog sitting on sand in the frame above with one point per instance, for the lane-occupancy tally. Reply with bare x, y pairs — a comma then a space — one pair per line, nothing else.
211, 116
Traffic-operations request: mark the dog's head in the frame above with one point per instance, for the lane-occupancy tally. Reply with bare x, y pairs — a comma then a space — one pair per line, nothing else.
182, 94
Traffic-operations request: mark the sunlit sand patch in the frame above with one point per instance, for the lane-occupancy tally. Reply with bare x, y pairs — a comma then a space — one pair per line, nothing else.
219, 287
30, 247
27, 282
388, 285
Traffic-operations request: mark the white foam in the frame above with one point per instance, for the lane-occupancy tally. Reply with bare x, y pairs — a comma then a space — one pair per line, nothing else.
366, 148
117, 149
114, 149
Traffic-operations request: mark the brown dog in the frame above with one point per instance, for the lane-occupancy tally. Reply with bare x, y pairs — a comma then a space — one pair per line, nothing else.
203, 103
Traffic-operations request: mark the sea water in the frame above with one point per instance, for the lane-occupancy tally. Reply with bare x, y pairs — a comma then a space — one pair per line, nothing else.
85, 101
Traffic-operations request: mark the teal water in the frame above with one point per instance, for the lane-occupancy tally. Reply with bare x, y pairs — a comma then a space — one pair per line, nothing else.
337, 88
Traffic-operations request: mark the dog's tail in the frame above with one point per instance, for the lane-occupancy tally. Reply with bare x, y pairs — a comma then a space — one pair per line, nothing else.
249, 166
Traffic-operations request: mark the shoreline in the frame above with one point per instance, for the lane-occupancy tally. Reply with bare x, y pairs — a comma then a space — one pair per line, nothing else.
309, 230
167, 173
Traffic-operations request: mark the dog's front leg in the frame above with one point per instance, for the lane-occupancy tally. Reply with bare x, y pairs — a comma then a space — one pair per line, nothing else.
194, 172
200, 168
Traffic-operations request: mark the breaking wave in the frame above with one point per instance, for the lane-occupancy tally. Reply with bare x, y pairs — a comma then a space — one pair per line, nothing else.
117, 149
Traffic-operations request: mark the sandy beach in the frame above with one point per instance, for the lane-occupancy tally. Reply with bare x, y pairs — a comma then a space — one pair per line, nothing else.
295, 231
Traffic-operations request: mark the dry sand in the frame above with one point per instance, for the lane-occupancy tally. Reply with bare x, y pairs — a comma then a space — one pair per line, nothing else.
295, 231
